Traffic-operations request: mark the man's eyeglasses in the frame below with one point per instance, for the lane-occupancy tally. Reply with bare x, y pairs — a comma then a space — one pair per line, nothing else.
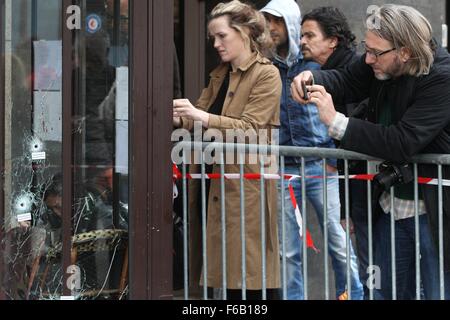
375, 53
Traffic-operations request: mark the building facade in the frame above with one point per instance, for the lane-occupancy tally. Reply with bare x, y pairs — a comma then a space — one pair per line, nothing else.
85, 91
85, 123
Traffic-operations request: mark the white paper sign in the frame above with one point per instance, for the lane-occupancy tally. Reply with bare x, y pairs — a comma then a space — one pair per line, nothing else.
48, 65
24, 217
122, 147
122, 92
47, 120
38, 156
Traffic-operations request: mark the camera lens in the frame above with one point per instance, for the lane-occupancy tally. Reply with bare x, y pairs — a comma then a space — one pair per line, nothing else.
387, 178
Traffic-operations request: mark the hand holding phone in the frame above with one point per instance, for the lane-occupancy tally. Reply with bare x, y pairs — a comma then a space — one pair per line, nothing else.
299, 85
305, 90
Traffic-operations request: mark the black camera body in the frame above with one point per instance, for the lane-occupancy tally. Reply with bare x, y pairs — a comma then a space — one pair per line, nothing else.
393, 174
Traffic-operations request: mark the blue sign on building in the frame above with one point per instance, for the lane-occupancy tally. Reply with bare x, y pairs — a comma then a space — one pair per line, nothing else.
93, 23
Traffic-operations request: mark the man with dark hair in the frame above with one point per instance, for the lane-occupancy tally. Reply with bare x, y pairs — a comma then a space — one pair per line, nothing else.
300, 126
328, 40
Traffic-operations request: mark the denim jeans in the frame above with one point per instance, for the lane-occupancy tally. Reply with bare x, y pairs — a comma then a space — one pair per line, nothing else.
405, 260
336, 234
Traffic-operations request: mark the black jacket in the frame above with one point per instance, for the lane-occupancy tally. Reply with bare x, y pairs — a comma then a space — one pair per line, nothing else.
421, 122
341, 58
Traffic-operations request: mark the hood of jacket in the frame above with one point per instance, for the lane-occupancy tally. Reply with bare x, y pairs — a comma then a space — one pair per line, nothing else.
290, 12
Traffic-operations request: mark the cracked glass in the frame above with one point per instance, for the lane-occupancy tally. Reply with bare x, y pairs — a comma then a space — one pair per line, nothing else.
32, 228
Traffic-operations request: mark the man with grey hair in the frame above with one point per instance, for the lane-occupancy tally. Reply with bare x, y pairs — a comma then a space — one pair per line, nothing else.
405, 76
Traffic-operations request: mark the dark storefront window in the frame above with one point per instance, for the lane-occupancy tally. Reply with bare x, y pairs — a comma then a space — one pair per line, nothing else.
101, 93
32, 227
32, 138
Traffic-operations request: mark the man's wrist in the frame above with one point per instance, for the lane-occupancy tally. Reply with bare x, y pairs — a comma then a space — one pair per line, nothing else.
338, 126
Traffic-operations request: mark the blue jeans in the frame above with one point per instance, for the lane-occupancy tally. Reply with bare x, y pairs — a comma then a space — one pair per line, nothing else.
336, 234
405, 260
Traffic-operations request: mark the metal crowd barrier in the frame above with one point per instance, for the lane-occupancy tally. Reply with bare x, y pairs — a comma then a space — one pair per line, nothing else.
282, 152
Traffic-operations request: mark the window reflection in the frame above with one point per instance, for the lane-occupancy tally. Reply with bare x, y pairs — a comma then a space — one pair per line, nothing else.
101, 150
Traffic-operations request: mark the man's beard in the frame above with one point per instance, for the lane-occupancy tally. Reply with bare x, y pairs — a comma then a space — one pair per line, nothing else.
393, 71
307, 54
383, 76
283, 46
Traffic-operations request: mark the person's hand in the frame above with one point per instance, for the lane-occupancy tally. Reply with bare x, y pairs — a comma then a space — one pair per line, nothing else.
305, 77
25, 225
184, 108
176, 122
331, 169
324, 102
351, 226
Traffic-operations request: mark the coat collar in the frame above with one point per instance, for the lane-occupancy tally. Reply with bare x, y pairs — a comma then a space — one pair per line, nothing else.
224, 67
340, 57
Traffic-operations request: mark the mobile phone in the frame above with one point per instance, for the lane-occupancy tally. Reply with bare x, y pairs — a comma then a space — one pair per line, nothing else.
305, 90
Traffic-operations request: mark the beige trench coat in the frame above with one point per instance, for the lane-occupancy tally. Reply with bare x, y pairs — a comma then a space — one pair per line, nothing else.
252, 101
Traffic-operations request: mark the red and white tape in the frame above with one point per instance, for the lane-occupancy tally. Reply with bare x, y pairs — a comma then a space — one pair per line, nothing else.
299, 219
309, 241
257, 176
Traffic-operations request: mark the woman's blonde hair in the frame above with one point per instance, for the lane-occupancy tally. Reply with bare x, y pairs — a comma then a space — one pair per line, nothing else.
249, 22
405, 27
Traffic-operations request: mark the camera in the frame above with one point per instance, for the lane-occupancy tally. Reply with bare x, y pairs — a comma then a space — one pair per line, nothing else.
393, 174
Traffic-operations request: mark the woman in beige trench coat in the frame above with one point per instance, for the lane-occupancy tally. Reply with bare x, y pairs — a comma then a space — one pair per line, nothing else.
250, 101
